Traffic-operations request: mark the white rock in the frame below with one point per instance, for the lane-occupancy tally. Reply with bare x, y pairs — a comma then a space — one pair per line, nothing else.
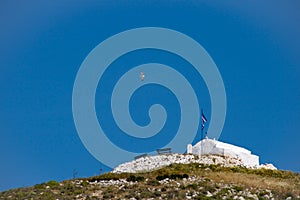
208, 194
268, 166
155, 162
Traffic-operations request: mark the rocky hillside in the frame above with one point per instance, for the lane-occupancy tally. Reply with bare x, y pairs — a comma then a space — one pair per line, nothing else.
150, 163
172, 177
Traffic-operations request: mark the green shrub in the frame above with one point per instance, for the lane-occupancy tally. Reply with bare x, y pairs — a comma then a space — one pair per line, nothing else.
203, 197
210, 188
68, 188
172, 176
153, 182
108, 176
238, 188
146, 194
40, 186
157, 194
133, 178
185, 176
84, 183
108, 196
193, 186
159, 178
182, 187
52, 184
207, 179
223, 192
289, 194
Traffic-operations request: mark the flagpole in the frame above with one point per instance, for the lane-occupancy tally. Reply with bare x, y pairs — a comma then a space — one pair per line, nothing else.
201, 124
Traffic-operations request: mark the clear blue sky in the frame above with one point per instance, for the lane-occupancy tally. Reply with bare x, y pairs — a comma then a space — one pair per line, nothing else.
255, 44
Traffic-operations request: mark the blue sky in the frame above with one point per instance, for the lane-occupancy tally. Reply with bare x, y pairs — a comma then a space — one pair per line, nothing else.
256, 46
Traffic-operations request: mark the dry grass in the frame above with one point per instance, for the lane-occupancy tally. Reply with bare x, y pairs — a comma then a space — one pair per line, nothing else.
253, 181
278, 181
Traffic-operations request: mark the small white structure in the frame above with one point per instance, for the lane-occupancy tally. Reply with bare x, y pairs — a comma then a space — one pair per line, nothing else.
189, 148
214, 147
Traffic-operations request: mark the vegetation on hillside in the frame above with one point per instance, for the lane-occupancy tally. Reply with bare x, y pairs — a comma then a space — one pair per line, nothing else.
176, 181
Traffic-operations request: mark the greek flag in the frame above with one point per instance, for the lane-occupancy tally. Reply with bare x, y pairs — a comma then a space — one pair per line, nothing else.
204, 120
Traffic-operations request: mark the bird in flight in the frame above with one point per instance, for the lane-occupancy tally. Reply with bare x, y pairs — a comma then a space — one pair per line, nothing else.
142, 76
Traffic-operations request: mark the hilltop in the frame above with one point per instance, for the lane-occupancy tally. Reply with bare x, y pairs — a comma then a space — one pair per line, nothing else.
149, 163
174, 176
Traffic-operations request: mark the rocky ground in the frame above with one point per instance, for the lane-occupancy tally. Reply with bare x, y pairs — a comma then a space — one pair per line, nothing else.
149, 163
174, 176
187, 188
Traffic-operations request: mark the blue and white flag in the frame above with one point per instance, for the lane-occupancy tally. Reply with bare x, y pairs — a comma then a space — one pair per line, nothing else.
204, 120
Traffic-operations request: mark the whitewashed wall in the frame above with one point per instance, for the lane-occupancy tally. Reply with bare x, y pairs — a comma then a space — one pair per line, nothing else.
214, 147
